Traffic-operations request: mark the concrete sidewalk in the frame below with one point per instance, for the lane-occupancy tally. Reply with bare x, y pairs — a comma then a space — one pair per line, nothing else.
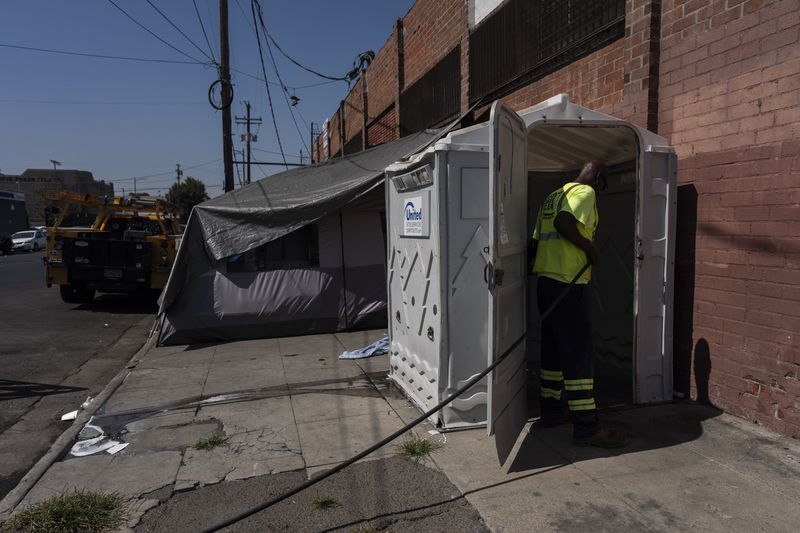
288, 408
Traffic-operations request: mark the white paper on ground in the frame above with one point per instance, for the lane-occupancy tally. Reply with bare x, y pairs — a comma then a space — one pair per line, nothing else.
117, 448
86, 447
72, 415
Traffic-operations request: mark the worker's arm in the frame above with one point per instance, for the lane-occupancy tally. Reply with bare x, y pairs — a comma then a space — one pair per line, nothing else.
567, 226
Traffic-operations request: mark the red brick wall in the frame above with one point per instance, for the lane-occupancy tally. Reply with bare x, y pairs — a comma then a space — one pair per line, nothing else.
730, 104
382, 79
353, 111
431, 29
383, 128
596, 81
335, 143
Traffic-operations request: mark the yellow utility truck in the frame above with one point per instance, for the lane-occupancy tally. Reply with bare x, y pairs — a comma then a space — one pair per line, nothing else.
129, 248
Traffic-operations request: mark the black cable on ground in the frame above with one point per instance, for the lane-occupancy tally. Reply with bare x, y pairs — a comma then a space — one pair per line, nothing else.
341, 466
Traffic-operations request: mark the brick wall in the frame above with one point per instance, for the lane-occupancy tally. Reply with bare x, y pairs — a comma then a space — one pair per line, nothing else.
382, 78
431, 29
353, 114
730, 104
596, 81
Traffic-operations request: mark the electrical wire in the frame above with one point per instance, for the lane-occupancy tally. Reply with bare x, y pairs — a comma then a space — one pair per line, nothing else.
203, 27
253, 4
76, 102
102, 56
283, 86
169, 172
293, 60
433, 410
145, 28
179, 30
273, 152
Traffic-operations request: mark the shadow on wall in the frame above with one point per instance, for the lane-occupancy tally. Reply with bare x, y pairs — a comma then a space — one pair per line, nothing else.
702, 370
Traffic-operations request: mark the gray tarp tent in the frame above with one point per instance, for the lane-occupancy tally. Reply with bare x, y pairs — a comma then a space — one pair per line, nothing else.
298, 252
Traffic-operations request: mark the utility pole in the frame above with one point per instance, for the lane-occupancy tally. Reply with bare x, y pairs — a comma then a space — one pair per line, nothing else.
178, 172
134, 185
313, 150
225, 76
248, 137
55, 164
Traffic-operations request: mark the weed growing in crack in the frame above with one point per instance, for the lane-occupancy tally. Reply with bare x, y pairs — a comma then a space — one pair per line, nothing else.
208, 443
324, 502
418, 448
73, 511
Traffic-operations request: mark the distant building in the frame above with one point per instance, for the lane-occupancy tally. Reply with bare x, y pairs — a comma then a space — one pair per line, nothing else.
36, 182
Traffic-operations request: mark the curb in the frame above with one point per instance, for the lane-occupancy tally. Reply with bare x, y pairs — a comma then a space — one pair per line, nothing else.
13, 498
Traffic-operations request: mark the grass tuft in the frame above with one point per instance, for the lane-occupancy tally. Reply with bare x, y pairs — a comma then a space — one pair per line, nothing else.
216, 439
82, 511
324, 502
418, 448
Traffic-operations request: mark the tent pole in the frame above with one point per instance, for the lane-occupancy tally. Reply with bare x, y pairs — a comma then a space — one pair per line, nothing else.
344, 272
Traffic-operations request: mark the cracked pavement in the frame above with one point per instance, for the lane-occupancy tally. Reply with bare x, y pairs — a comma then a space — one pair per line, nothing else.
310, 412
288, 409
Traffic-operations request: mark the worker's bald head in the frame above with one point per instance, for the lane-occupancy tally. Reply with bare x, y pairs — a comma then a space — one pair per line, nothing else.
593, 174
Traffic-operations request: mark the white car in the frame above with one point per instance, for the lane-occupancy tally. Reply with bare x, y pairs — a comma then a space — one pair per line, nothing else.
29, 240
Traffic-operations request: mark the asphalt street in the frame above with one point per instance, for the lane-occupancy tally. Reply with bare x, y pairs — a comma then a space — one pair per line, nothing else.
52, 356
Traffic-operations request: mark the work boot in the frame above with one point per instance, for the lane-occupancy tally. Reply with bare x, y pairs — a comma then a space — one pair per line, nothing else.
603, 438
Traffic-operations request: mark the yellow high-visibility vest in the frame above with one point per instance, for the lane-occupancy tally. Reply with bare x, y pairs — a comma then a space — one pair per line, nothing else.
556, 257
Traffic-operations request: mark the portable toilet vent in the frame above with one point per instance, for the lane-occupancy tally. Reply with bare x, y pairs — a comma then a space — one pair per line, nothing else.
459, 217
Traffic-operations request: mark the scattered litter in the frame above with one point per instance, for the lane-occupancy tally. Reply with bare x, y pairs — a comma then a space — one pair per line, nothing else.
86, 402
86, 447
379, 347
105, 325
89, 432
432, 432
118, 448
72, 415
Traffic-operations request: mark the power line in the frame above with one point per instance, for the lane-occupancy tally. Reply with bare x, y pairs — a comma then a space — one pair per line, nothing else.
203, 27
178, 29
253, 4
283, 87
169, 172
77, 102
297, 88
273, 152
102, 56
145, 28
290, 58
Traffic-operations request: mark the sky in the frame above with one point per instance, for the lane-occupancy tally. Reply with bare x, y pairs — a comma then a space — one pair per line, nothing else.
122, 119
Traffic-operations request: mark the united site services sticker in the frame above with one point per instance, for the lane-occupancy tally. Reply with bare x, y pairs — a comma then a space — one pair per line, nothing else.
412, 216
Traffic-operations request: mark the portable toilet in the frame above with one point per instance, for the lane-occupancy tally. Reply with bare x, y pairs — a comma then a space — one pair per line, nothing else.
459, 217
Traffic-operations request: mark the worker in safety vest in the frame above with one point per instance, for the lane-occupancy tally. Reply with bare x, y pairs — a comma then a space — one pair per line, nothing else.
562, 244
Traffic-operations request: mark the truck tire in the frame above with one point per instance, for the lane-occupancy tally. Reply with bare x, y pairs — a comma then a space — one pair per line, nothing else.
86, 295
69, 294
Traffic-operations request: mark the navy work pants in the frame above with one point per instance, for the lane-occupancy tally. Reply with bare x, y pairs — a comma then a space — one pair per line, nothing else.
567, 370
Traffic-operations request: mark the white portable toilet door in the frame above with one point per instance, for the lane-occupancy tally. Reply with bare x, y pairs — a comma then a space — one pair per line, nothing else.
506, 276
655, 258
